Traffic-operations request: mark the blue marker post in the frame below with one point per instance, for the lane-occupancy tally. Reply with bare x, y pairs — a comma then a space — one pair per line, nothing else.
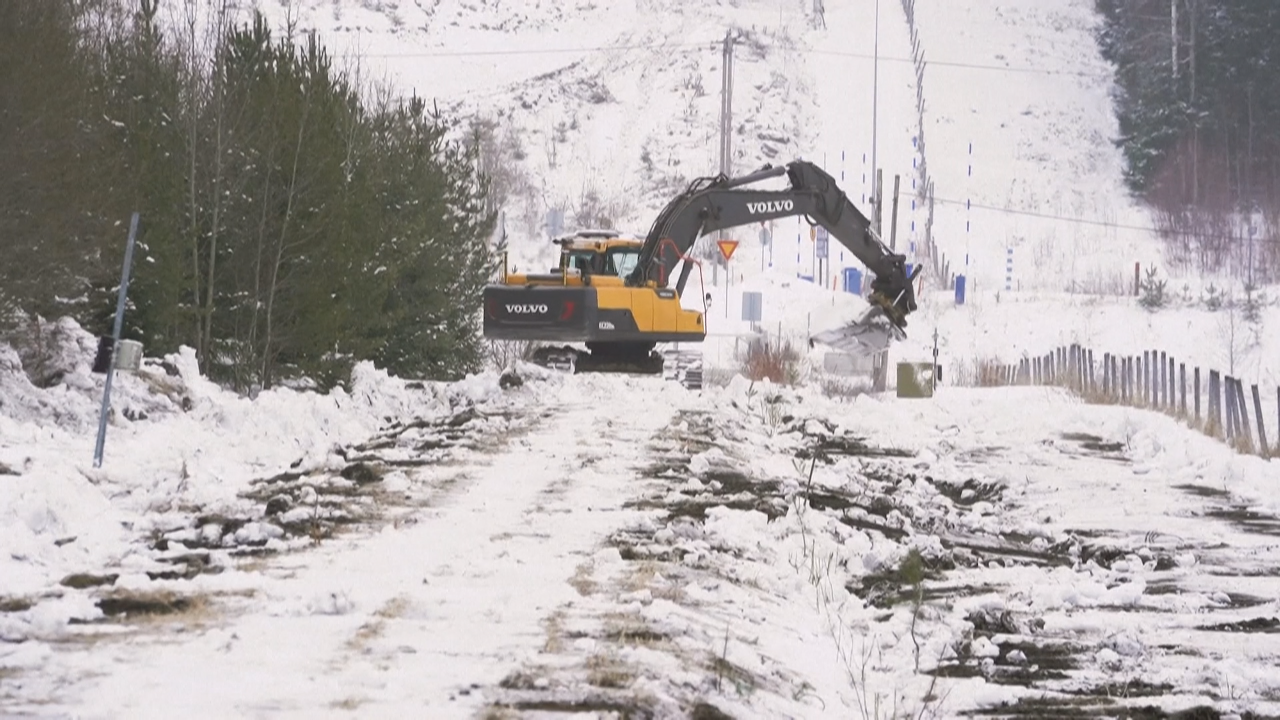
864, 178
115, 345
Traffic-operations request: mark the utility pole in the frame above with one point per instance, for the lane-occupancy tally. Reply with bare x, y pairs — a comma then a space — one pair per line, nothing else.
893, 226
875, 99
878, 192
726, 103
726, 127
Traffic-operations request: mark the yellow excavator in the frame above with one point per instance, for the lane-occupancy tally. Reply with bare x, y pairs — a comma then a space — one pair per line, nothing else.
614, 294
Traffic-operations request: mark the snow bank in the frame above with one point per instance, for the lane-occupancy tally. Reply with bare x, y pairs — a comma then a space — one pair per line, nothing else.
177, 445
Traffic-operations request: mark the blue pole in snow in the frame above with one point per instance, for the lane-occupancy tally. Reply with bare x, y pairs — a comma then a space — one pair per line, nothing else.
115, 345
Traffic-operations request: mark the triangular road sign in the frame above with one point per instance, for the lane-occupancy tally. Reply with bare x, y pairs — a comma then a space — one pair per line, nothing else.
727, 247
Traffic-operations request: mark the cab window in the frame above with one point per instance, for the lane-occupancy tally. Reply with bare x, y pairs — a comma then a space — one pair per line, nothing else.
622, 262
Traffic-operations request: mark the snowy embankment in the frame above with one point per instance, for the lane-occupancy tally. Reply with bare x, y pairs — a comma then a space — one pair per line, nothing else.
581, 543
181, 457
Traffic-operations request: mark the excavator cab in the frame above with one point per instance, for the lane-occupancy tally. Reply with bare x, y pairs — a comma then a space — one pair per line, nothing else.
586, 299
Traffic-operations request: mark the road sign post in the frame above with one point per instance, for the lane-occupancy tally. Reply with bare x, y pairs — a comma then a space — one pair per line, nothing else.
726, 250
821, 246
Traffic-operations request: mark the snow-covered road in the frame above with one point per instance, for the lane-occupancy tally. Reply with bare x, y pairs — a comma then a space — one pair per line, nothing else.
596, 543
405, 622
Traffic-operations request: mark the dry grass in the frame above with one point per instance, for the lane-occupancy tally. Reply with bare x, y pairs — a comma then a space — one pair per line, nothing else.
349, 703
779, 361
646, 575
554, 628
607, 670
373, 629
641, 576
582, 580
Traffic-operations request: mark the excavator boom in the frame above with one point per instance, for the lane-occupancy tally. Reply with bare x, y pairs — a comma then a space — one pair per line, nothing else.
720, 202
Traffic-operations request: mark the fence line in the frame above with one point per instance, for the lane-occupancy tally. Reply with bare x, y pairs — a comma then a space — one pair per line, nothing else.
1153, 380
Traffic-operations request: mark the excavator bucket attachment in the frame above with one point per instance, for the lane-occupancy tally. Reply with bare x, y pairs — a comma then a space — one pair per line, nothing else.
870, 334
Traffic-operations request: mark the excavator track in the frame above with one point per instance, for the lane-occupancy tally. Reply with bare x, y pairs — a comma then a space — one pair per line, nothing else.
682, 366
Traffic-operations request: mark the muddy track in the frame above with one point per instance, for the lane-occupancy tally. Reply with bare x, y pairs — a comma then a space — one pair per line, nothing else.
1143, 578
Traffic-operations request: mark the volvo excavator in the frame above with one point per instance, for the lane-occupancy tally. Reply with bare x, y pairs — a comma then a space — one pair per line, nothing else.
615, 294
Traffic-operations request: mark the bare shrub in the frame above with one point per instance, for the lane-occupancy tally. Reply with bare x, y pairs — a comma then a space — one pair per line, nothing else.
839, 388
595, 210
502, 354
778, 361
982, 372
717, 377
1104, 282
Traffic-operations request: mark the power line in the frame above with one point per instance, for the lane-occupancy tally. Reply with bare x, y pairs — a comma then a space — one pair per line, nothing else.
708, 45
965, 65
1093, 222
541, 51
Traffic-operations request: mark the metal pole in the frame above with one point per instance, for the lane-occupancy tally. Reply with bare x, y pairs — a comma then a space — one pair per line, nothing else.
893, 227
875, 99
115, 335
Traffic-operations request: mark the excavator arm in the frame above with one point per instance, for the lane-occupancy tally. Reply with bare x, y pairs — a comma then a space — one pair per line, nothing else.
717, 203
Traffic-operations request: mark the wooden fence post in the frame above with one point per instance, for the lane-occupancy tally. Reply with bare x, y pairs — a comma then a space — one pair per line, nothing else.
1091, 381
1242, 407
1146, 377
1182, 389
1197, 395
1263, 448
1215, 403
1164, 382
1230, 394
1171, 388
1114, 378
1128, 380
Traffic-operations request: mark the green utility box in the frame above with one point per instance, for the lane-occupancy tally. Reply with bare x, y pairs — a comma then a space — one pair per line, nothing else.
915, 380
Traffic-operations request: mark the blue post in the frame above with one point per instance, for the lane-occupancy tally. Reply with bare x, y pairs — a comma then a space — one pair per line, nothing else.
852, 280
959, 289
115, 335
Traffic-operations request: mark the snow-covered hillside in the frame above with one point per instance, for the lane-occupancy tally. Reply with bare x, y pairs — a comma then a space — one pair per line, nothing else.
1019, 117
620, 99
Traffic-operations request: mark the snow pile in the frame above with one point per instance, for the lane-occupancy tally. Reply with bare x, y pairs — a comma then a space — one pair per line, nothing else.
47, 378
178, 447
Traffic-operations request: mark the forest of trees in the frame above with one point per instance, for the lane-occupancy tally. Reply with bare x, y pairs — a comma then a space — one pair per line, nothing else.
292, 221
1199, 114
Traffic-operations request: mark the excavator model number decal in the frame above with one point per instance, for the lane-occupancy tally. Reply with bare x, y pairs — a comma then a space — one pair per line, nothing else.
771, 206
527, 309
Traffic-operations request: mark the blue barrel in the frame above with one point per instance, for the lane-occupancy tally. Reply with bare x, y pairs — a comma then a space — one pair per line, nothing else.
852, 279
959, 289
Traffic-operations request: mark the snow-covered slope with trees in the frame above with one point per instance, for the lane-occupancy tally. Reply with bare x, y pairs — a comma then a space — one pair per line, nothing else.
608, 108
